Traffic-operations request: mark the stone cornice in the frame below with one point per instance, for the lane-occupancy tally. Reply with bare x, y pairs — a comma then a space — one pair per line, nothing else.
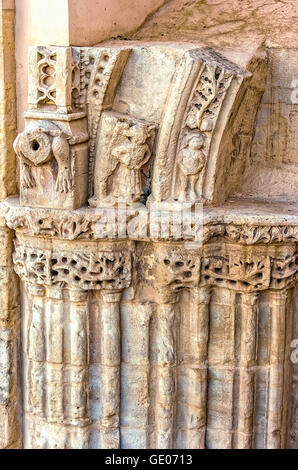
256, 222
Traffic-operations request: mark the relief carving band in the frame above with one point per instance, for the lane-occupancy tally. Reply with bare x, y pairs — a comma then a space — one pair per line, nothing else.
156, 295
201, 116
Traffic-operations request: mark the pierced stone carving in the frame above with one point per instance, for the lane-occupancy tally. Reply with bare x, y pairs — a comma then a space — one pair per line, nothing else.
237, 272
172, 268
284, 271
178, 270
200, 100
46, 65
183, 330
87, 58
54, 79
208, 96
121, 159
100, 270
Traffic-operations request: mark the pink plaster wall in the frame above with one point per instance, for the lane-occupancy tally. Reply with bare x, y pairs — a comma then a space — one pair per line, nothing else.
93, 21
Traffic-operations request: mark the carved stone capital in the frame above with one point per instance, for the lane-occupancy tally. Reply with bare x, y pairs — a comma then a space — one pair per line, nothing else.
175, 267
79, 268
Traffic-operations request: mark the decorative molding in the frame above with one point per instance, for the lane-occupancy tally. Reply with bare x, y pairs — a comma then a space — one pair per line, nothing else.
84, 223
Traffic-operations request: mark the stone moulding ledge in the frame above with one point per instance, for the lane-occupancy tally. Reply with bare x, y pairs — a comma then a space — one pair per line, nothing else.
256, 222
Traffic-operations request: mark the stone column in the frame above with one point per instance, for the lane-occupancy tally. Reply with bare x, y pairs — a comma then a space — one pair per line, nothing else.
56, 362
249, 321
221, 369
10, 433
275, 409
166, 369
110, 369
192, 382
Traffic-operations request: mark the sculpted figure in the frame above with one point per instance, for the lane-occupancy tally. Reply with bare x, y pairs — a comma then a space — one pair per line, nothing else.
127, 152
191, 161
37, 146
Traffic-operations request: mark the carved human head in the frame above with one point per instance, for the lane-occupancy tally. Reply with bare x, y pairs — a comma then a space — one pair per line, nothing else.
196, 141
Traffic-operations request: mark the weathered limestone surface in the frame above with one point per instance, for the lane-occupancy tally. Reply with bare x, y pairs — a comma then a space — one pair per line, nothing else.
148, 264
146, 322
10, 409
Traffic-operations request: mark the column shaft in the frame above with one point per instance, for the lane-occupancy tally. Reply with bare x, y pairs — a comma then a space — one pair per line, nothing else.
110, 370
166, 373
192, 382
278, 301
249, 321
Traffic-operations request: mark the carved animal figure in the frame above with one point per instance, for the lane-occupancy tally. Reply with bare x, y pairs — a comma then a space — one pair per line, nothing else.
37, 146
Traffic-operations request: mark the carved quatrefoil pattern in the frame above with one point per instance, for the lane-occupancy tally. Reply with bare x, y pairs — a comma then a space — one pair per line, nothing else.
47, 75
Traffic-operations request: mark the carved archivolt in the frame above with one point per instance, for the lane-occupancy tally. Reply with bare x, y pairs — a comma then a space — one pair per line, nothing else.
106, 70
187, 158
189, 144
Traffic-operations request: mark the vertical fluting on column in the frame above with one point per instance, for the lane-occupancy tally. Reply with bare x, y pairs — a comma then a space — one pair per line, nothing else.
278, 301
78, 393
192, 374
53, 335
110, 370
292, 434
56, 363
248, 345
10, 389
221, 369
165, 369
135, 374
34, 353
288, 401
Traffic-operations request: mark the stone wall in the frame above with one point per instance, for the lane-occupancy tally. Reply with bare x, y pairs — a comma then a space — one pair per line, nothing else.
10, 310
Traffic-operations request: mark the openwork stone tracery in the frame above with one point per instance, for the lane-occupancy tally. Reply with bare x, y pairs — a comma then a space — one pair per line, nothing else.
142, 341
